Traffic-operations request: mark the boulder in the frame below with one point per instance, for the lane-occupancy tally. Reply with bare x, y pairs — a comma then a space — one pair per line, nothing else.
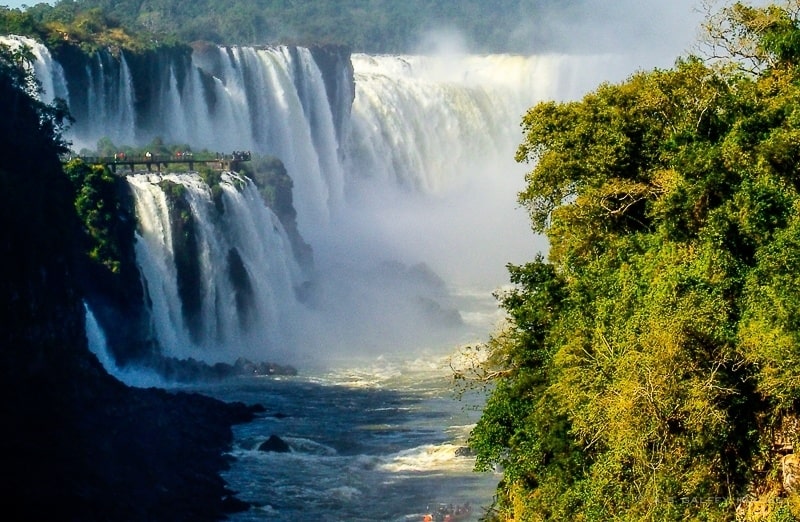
274, 443
464, 451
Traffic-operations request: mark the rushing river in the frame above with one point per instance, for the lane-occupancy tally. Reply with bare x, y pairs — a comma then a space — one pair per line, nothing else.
372, 438
370, 441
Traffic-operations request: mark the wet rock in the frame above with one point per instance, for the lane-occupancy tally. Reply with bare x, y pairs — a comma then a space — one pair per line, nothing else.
276, 444
464, 451
192, 370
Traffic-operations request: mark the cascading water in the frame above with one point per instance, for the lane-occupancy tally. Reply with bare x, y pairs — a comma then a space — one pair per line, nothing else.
110, 109
400, 159
221, 283
430, 153
274, 101
430, 122
48, 72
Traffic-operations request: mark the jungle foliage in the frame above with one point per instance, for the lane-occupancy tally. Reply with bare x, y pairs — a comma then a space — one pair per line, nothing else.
68, 23
649, 366
100, 201
363, 25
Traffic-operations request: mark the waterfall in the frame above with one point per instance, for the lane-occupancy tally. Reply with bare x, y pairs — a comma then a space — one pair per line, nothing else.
429, 121
401, 166
109, 102
280, 95
48, 72
238, 292
426, 123
97, 341
97, 344
429, 157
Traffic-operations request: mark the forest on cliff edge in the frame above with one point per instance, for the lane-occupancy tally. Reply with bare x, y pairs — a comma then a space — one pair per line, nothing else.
649, 368
374, 26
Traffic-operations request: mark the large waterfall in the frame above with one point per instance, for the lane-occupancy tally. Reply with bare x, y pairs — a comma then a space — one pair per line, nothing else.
402, 168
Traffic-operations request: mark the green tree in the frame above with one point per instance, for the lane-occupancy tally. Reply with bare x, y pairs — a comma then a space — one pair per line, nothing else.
100, 205
647, 369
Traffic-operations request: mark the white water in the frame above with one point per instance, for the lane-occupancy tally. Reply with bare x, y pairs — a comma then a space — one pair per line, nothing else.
432, 142
421, 171
111, 110
47, 71
262, 109
245, 225
96, 339
377, 439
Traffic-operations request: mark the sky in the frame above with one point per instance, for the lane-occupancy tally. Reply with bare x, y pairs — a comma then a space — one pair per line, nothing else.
20, 3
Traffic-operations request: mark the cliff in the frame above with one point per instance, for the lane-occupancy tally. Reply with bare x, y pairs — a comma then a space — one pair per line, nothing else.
77, 444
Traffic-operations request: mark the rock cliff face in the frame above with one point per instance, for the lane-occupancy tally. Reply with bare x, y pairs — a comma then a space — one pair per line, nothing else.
77, 444
337, 73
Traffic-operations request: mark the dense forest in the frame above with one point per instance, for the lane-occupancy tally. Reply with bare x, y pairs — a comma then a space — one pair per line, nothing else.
649, 366
375, 26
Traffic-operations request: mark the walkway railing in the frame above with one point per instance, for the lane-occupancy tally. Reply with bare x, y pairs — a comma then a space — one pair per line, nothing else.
149, 161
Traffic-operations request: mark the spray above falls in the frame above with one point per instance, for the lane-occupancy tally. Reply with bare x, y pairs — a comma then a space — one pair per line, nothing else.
403, 182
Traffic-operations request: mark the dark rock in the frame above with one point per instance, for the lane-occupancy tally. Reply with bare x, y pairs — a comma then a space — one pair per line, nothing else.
191, 370
276, 444
231, 504
258, 408
78, 444
464, 451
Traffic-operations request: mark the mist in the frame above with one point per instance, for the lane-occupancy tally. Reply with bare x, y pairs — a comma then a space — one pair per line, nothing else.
411, 209
655, 31
647, 28
432, 190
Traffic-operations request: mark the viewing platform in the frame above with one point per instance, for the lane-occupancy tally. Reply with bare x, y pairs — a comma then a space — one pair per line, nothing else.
155, 162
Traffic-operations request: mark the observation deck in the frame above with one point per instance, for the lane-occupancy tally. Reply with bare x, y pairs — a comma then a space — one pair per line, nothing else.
155, 162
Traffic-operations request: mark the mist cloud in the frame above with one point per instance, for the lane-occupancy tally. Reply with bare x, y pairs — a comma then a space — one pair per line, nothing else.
662, 30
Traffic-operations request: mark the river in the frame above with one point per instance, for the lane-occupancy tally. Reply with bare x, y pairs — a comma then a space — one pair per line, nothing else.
372, 440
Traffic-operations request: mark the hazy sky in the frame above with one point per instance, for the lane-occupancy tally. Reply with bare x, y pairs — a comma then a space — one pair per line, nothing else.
19, 3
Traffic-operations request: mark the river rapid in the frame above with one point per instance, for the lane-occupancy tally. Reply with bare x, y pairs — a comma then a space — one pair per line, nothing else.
371, 437
371, 440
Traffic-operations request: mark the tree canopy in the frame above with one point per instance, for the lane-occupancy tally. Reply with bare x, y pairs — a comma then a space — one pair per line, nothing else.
649, 366
362, 25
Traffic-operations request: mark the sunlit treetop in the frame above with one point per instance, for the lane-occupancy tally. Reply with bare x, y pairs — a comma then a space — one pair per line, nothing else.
756, 38
647, 370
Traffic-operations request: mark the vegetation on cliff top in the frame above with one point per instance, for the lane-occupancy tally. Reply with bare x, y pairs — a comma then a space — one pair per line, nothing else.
69, 23
363, 25
648, 370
